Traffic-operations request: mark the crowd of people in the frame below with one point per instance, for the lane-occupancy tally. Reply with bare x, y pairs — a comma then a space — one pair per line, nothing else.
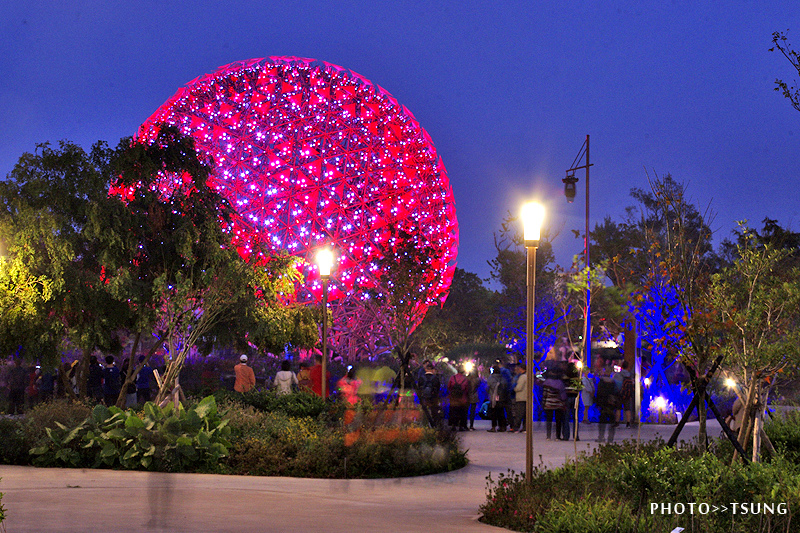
451, 394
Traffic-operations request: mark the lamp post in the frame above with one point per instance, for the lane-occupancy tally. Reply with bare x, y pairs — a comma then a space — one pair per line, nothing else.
569, 192
325, 264
532, 217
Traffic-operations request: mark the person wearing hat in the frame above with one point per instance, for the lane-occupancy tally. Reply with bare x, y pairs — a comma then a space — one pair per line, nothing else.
245, 377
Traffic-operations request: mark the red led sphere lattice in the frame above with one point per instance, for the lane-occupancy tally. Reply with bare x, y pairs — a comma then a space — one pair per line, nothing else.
310, 153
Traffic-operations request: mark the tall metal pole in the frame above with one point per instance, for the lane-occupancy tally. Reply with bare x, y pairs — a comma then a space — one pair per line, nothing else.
529, 372
588, 321
569, 191
324, 337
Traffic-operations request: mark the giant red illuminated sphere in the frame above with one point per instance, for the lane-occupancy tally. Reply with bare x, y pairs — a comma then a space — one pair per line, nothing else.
309, 154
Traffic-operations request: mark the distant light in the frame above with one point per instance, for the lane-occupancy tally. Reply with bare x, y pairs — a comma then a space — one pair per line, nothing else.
730, 383
647, 382
660, 402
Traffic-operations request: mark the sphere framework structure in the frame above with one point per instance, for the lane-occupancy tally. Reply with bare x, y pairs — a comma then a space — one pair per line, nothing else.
312, 154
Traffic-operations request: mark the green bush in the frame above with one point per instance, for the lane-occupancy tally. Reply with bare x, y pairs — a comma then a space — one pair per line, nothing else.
191, 439
275, 444
13, 445
784, 433
612, 490
45, 415
296, 404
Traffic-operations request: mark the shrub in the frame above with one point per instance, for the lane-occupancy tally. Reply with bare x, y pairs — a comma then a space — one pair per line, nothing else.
155, 439
46, 415
276, 444
13, 446
297, 404
784, 432
600, 493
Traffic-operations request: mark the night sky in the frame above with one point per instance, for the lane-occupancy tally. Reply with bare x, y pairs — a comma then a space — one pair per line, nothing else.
508, 91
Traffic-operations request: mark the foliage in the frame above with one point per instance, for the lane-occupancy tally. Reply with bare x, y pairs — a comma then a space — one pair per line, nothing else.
297, 404
2, 509
781, 44
613, 489
46, 415
467, 317
784, 433
13, 446
51, 283
509, 270
154, 439
272, 443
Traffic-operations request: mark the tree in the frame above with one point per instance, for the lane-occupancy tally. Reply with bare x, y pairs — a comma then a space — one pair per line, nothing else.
760, 304
170, 257
466, 317
509, 270
781, 44
47, 205
402, 298
680, 260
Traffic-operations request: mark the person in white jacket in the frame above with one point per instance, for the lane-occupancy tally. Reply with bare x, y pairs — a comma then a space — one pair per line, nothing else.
285, 378
520, 397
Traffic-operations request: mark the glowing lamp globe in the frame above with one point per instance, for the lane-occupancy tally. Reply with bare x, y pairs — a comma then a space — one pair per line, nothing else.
310, 154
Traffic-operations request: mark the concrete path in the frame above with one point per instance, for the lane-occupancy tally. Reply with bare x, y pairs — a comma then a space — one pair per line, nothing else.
86, 501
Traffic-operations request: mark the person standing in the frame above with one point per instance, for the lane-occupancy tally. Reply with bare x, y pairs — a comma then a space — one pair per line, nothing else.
609, 403
498, 392
315, 374
17, 381
285, 378
520, 398
111, 381
458, 392
304, 377
508, 375
554, 398
130, 392
474, 383
245, 377
348, 387
143, 383
94, 381
587, 394
428, 388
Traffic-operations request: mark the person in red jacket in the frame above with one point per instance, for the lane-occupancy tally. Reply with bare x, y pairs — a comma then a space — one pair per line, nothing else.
458, 392
316, 377
245, 377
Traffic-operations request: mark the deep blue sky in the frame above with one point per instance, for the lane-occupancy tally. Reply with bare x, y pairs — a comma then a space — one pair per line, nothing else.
506, 90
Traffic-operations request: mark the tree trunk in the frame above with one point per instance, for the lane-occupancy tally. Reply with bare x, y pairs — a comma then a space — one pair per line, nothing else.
757, 437
702, 433
745, 427
83, 373
130, 376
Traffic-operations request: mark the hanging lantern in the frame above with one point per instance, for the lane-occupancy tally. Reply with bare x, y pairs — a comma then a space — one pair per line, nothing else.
569, 187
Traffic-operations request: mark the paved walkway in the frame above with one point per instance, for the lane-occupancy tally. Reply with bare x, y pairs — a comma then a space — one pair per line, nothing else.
72, 500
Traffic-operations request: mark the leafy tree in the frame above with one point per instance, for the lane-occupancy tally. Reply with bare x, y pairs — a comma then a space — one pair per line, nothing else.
760, 303
466, 317
781, 44
402, 298
171, 259
676, 243
47, 203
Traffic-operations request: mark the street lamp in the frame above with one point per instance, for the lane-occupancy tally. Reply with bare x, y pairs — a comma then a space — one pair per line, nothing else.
532, 218
569, 192
325, 264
